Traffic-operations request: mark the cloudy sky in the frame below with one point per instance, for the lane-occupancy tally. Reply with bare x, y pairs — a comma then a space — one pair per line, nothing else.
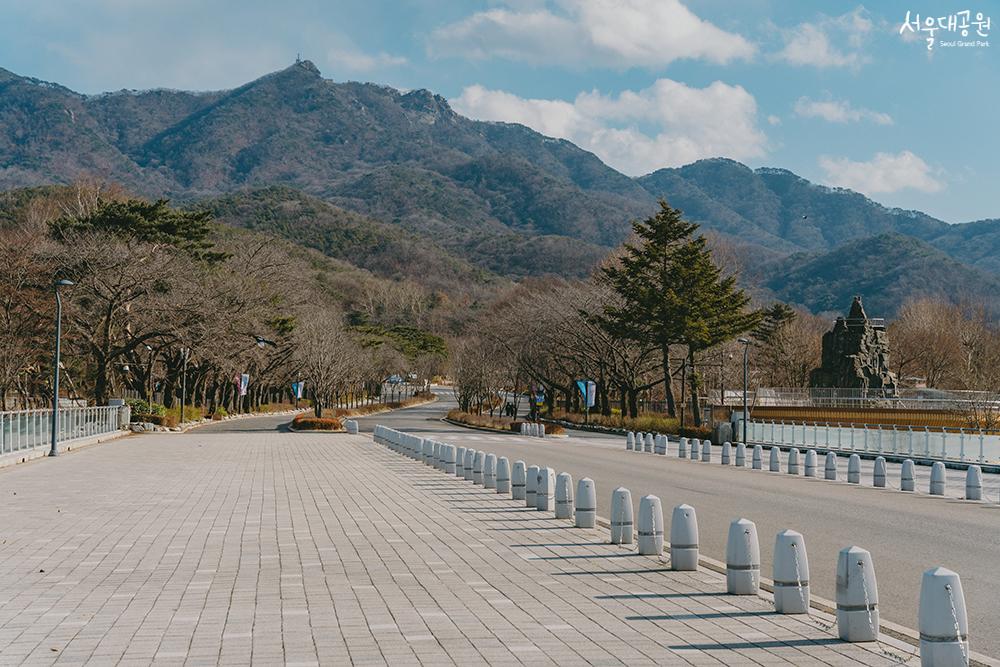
831, 90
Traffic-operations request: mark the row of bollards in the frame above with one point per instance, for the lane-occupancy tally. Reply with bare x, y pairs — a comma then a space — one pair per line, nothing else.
533, 429
660, 444
943, 621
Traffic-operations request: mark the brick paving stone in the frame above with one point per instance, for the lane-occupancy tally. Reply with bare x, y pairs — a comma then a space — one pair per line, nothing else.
308, 549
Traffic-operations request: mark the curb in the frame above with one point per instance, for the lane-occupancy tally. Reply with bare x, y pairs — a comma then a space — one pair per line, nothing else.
487, 429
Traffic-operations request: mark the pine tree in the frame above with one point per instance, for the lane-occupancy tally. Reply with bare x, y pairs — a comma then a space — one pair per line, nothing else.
672, 293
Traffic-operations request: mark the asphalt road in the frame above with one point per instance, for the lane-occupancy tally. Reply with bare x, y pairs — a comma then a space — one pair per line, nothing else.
906, 533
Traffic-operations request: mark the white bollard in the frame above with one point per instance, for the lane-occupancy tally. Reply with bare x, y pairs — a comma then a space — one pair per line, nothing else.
742, 558
974, 483
468, 463
695, 446
878, 475
621, 516
524, 428
546, 492
682, 448
564, 496
518, 481
449, 459
630, 440
586, 503
490, 471
650, 525
503, 475
648, 448
791, 573
937, 479
531, 486
830, 469
436, 454
478, 461
810, 463
706, 451
660, 445
460, 462
640, 437
793, 461
541, 430
684, 539
352, 426
854, 469
758, 457
774, 460
943, 621
906, 476
857, 596
727, 453
428, 452
741, 455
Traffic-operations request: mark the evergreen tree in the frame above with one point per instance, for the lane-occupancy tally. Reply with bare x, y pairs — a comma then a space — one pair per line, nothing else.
643, 277
710, 308
672, 293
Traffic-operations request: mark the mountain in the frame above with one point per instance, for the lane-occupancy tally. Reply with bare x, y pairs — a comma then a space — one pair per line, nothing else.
885, 270
399, 184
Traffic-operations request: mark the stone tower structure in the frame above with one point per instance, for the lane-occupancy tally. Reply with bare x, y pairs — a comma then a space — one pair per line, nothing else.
856, 355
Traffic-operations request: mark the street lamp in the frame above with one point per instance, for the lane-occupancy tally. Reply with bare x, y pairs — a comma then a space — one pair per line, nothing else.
54, 450
746, 416
185, 353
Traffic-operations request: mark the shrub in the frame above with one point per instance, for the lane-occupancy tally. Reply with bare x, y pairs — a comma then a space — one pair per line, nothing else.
159, 420
220, 412
141, 407
647, 422
304, 422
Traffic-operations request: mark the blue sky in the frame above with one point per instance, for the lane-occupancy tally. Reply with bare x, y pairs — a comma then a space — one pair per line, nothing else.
830, 90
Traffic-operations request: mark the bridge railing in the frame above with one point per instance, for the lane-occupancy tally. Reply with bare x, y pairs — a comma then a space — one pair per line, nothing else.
961, 444
28, 429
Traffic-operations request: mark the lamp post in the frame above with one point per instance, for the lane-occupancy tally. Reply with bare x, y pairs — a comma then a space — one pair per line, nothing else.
185, 353
746, 416
54, 450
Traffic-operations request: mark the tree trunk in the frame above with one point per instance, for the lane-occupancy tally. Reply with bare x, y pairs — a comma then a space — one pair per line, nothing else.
633, 403
668, 389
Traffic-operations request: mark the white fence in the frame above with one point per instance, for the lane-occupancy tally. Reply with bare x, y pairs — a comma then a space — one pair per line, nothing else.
28, 429
948, 444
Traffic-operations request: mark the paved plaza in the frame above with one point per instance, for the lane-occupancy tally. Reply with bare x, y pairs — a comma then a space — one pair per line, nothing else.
268, 547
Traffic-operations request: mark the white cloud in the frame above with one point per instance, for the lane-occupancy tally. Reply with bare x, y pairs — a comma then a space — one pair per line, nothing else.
773, 120
828, 42
883, 173
666, 124
838, 111
615, 33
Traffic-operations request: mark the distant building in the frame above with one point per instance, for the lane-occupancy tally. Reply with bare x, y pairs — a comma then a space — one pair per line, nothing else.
856, 355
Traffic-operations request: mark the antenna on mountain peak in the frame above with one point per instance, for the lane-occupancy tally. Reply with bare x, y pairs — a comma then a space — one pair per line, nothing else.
298, 58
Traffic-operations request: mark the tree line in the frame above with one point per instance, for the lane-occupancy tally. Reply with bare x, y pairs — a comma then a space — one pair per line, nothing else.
659, 325
163, 294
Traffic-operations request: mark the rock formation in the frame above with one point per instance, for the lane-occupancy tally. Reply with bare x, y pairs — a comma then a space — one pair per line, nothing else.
856, 355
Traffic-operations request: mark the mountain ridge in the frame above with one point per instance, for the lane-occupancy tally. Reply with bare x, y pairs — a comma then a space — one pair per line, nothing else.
494, 197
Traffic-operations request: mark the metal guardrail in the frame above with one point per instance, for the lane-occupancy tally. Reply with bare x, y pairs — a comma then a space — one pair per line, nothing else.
28, 429
909, 398
968, 445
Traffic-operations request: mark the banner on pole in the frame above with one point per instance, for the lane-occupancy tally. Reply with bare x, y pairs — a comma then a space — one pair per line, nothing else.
298, 388
588, 390
244, 383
